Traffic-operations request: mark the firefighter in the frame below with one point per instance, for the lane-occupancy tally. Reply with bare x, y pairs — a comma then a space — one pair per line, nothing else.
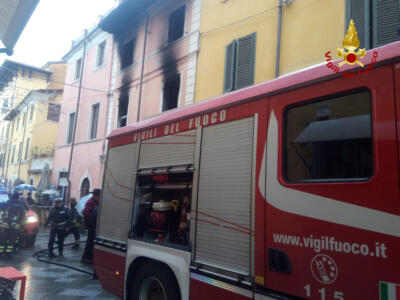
3, 226
90, 220
76, 224
60, 223
15, 223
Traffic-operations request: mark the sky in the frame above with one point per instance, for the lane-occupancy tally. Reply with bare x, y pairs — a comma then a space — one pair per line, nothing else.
53, 25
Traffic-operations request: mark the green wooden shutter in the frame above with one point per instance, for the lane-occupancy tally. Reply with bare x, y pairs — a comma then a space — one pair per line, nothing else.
386, 22
229, 75
245, 55
359, 11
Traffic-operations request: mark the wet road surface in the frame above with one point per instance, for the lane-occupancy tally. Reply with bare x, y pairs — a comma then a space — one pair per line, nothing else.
48, 282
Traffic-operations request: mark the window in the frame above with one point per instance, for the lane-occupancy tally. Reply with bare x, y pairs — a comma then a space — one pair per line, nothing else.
126, 54
2, 132
330, 139
23, 120
94, 119
123, 111
53, 112
171, 93
31, 114
239, 63
176, 24
78, 69
16, 128
377, 21
8, 130
13, 154
4, 108
71, 124
20, 151
100, 54
31, 181
27, 148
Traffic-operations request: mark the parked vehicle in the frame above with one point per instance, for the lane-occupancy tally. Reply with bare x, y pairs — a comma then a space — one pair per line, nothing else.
31, 227
286, 189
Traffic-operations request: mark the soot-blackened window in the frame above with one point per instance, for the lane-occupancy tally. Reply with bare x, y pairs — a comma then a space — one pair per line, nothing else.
171, 93
176, 24
126, 53
330, 139
123, 111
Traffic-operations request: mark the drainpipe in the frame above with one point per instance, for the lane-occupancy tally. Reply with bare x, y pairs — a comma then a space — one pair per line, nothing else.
11, 132
143, 59
76, 119
22, 149
278, 40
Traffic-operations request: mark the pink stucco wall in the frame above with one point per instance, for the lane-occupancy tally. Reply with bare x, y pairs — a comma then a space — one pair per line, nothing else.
87, 153
157, 66
159, 58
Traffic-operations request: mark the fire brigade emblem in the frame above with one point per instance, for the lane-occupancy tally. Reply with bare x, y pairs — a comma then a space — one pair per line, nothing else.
324, 269
350, 51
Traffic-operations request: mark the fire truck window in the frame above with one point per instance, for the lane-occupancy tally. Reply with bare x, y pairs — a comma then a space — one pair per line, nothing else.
162, 208
330, 139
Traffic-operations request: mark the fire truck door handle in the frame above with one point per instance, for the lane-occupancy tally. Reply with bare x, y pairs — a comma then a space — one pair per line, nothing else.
279, 261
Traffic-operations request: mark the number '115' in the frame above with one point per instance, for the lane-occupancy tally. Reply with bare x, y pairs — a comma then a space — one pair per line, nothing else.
322, 292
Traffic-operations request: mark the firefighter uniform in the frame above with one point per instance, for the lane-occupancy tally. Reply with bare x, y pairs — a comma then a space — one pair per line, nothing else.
3, 227
13, 220
60, 222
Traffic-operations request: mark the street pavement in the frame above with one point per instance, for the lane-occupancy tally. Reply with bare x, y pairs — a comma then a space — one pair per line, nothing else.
48, 282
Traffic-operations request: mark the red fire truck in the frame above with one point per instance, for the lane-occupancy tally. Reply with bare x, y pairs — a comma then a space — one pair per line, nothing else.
288, 189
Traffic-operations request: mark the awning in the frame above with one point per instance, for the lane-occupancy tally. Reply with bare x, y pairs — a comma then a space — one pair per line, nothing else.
350, 128
14, 14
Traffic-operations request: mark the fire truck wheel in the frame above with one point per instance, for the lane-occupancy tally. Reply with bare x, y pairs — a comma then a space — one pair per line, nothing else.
154, 281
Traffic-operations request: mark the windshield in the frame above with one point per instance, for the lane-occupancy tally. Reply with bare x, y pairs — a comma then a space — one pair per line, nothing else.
3, 198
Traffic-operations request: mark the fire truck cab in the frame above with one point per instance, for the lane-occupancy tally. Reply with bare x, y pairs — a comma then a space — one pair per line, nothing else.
284, 190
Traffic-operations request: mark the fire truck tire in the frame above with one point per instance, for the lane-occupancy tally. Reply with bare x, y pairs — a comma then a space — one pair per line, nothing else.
154, 281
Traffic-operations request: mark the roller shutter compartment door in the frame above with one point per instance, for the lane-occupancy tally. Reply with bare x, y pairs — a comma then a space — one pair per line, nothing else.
223, 236
117, 197
172, 150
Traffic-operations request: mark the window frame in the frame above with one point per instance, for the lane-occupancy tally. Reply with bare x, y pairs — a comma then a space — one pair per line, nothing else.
167, 41
123, 52
77, 72
20, 149
69, 123
326, 180
89, 132
31, 113
102, 44
171, 78
27, 145
232, 80
54, 105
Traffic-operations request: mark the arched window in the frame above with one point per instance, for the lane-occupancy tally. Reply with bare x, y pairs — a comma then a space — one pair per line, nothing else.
85, 187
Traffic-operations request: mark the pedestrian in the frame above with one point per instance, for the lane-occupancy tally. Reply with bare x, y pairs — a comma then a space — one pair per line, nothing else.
12, 224
89, 221
30, 200
76, 224
60, 223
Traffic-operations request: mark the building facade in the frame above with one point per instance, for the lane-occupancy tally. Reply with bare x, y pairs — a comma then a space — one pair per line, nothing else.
156, 45
30, 106
90, 68
245, 43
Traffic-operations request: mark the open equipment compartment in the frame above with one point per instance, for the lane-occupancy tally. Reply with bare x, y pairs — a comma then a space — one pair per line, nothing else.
163, 204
